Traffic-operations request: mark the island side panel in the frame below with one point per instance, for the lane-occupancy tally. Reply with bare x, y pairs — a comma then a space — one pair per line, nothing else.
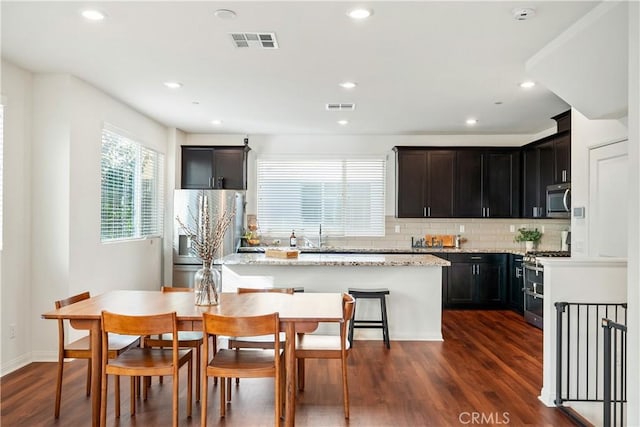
414, 305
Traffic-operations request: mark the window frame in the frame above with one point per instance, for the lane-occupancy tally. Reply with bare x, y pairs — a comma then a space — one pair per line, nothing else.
155, 221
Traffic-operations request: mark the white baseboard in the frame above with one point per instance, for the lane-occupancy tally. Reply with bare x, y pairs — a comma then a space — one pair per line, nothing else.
44, 356
25, 359
15, 364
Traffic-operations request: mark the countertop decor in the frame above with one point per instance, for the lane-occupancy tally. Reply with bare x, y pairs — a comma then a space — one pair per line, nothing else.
205, 241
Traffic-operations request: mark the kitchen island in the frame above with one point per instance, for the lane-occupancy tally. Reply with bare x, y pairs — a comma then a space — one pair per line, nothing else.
414, 304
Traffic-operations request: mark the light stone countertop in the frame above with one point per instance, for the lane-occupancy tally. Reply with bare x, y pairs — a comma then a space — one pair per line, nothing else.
335, 259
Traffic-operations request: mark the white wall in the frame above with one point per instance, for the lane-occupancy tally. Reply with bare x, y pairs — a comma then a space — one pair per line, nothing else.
15, 277
585, 135
633, 287
52, 237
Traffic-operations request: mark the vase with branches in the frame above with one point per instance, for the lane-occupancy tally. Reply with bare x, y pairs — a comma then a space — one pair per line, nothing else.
205, 241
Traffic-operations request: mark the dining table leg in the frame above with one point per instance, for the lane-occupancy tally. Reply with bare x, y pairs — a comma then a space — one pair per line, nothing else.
96, 372
290, 374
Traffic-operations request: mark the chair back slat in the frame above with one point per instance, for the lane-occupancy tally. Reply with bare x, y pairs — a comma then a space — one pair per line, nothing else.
243, 326
72, 300
139, 325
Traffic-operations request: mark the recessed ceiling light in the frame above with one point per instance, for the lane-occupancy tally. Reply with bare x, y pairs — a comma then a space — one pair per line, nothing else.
359, 13
348, 85
224, 14
216, 122
498, 102
528, 84
93, 15
195, 102
472, 122
343, 122
173, 85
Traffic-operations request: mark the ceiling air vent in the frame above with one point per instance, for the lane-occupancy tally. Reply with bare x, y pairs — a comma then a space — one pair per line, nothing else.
255, 40
340, 107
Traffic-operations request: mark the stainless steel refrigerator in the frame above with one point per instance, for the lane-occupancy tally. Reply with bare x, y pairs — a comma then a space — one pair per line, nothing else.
185, 206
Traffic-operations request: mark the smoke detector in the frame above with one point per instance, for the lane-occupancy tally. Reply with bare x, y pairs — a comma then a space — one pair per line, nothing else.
523, 13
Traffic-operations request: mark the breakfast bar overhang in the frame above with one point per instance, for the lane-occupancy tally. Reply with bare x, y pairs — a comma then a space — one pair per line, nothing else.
414, 304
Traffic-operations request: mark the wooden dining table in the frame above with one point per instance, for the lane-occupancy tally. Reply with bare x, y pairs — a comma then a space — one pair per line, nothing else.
294, 309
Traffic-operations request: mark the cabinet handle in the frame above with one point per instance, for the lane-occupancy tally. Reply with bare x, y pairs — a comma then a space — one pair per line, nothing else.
473, 270
424, 211
476, 257
210, 182
518, 272
564, 175
429, 211
488, 214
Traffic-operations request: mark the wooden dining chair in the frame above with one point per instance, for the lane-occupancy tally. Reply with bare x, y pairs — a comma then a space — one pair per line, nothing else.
243, 363
81, 349
186, 339
262, 342
310, 346
141, 361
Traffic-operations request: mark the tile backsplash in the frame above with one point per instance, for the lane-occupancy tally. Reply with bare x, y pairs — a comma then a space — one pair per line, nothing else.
480, 233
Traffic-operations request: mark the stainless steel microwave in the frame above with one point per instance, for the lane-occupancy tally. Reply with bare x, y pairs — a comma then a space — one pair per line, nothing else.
559, 201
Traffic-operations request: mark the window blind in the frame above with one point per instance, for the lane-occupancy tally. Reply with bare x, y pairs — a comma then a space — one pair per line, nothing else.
345, 196
132, 193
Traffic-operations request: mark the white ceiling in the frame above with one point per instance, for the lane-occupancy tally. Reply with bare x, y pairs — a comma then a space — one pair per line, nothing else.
421, 66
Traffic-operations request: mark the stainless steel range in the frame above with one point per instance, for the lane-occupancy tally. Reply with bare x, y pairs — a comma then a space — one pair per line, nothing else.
534, 284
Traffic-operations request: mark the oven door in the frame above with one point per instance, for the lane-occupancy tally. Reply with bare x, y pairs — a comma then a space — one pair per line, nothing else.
533, 295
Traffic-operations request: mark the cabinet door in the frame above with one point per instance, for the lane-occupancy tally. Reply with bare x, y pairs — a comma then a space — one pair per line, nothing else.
197, 167
440, 183
530, 183
461, 284
546, 174
489, 283
516, 283
469, 184
499, 185
228, 164
411, 179
562, 147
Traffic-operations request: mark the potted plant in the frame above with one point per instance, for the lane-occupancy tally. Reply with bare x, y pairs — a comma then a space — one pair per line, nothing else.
529, 237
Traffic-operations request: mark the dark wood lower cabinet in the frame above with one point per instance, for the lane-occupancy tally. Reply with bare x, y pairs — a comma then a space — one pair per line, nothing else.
476, 281
516, 283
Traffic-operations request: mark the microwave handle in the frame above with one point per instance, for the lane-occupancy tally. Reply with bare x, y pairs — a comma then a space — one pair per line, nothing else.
564, 199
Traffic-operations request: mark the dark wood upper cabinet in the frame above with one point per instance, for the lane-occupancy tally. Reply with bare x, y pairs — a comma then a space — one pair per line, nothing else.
468, 201
487, 183
562, 164
501, 184
538, 173
217, 167
424, 182
440, 183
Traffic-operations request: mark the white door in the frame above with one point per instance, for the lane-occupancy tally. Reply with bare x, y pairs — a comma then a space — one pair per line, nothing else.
608, 185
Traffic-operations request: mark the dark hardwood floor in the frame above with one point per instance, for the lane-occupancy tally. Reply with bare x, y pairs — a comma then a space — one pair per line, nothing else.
487, 371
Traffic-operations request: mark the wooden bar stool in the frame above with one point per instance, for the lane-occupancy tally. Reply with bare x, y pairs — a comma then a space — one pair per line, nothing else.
383, 323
